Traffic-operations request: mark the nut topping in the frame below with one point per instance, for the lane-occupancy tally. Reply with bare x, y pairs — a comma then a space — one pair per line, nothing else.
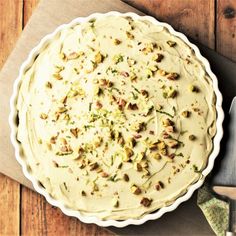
146, 202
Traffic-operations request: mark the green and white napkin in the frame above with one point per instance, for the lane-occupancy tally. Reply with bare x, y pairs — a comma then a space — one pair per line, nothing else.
214, 209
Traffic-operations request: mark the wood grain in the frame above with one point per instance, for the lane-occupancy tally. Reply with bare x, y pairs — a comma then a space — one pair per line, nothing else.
10, 29
10, 26
195, 18
40, 218
226, 28
29, 6
37, 216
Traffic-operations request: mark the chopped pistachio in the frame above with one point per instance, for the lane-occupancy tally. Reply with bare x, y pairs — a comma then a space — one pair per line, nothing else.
132, 106
73, 56
126, 177
117, 41
105, 83
162, 72
104, 174
146, 172
146, 202
43, 116
99, 170
98, 58
98, 141
75, 132
135, 190
173, 76
193, 88
138, 167
48, 85
158, 106
153, 68
172, 143
195, 169
124, 73
170, 129
131, 142
155, 155
132, 76
57, 76
165, 135
97, 90
62, 56
77, 71
157, 187
153, 146
81, 164
172, 93
118, 58
192, 137
49, 146
185, 114
140, 156
120, 165
159, 57
144, 163
62, 109
148, 48
93, 165
171, 156
128, 152
138, 126
169, 92
161, 145
95, 187
163, 151
98, 105
167, 122
115, 202
144, 93
148, 110
149, 73
171, 43
131, 62
161, 184
129, 35
72, 93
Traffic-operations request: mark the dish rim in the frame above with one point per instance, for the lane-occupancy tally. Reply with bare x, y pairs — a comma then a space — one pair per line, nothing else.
92, 219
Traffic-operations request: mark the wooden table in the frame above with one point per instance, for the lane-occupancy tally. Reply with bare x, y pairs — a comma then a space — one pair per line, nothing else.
211, 22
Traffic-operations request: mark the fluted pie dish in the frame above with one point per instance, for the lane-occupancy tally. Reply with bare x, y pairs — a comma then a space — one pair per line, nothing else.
116, 118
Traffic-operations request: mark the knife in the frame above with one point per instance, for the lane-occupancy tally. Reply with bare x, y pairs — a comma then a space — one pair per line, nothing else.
224, 180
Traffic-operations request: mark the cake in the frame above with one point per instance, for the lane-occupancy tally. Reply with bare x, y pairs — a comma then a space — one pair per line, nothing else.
116, 117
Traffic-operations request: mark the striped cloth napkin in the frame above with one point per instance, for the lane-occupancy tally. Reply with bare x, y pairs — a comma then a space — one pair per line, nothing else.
214, 209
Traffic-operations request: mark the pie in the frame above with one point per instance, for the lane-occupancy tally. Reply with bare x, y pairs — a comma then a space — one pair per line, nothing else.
116, 117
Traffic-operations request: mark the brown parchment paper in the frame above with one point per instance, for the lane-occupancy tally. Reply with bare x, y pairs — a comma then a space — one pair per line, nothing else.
187, 219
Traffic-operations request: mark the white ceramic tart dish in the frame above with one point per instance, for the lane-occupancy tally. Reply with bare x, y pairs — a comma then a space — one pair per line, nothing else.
116, 118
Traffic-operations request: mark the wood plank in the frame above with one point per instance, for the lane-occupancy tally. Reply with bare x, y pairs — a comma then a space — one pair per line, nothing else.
226, 28
10, 29
37, 216
40, 218
10, 206
10, 26
195, 18
29, 6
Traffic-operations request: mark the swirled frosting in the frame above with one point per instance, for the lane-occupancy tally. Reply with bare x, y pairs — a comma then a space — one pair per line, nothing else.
116, 117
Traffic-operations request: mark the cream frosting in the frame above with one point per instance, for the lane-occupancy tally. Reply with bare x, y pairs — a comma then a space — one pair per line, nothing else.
116, 117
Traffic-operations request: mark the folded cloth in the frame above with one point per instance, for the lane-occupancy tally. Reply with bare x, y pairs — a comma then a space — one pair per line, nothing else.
214, 209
